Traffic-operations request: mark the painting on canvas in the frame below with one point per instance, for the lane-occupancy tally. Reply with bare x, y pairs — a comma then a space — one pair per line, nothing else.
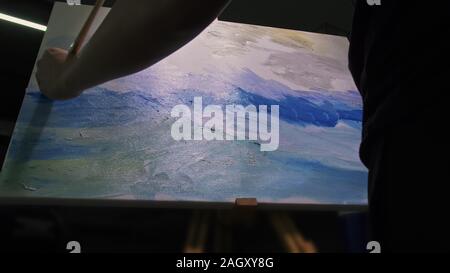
114, 142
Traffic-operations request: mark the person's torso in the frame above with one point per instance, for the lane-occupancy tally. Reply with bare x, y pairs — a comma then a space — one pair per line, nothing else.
399, 60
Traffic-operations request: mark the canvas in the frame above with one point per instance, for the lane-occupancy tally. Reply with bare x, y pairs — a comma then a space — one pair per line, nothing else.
114, 142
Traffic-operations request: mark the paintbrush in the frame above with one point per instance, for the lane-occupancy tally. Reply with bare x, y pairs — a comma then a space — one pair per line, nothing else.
75, 49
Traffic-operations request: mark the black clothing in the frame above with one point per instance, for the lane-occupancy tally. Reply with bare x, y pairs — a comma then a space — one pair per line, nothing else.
399, 58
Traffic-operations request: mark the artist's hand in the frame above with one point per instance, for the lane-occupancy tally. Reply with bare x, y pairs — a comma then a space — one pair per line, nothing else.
52, 72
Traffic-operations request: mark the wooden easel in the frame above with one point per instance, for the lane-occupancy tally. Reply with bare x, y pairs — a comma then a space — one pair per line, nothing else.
244, 211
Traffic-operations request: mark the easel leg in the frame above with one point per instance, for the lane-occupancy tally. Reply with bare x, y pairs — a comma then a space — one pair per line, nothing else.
197, 233
223, 235
292, 239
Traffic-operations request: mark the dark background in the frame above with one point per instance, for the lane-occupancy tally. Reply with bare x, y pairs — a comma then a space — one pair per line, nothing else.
45, 228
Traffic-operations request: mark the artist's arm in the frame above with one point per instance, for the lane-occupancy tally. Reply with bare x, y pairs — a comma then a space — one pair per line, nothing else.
135, 35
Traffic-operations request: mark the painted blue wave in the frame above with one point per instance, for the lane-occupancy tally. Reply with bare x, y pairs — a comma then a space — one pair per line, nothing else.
103, 107
301, 110
353, 115
98, 108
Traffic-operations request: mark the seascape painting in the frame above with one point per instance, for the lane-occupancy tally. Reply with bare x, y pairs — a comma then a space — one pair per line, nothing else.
114, 141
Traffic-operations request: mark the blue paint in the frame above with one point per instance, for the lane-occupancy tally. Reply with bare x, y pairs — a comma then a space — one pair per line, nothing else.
98, 108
